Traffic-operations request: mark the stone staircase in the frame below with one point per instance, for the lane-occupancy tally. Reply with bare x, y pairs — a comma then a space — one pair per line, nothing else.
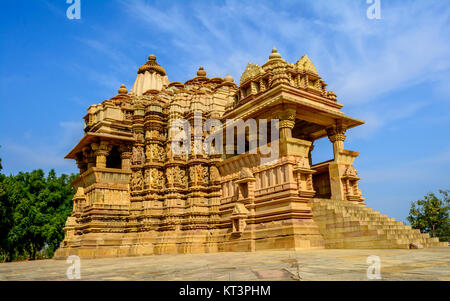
347, 225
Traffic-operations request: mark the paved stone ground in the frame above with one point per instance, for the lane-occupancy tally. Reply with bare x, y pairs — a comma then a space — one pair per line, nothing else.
423, 264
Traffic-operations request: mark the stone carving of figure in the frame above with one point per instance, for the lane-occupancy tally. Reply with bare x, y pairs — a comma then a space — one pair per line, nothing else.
162, 153
183, 177
169, 150
154, 177
170, 175
138, 155
214, 174
141, 155
153, 153
154, 134
192, 174
205, 174
199, 173
134, 155
147, 179
161, 180
136, 181
179, 175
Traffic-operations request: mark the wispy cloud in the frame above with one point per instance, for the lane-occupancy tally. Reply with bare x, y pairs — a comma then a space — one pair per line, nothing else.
381, 114
360, 58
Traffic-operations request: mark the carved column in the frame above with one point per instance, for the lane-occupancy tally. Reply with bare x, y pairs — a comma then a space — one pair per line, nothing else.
82, 163
125, 155
336, 134
287, 123
90, 156
101, 150
311, 148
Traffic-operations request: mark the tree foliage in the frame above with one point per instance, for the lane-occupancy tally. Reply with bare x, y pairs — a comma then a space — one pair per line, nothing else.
431, 215
33, 211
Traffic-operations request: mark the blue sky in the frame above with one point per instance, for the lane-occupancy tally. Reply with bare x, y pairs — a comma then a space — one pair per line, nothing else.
393, 73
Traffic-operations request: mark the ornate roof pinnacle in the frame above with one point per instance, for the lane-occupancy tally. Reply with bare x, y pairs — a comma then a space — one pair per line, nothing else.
201, 71
229, 78
152, 65
274, 54
123, 90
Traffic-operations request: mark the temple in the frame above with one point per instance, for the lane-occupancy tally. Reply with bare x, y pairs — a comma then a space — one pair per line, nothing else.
135, 196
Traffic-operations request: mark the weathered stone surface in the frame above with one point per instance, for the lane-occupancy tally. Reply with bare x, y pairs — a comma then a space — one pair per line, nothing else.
307, 265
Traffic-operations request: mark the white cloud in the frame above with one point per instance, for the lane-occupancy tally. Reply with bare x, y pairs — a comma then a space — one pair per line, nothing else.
379, 115
360, 58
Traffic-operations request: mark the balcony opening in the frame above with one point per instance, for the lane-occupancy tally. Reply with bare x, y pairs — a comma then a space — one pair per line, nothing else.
322, 152
113, 160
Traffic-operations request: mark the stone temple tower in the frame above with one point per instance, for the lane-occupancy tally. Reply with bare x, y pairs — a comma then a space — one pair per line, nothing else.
136, 196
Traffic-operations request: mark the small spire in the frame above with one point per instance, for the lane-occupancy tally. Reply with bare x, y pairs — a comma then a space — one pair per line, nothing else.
274, 54
123, 90
201, 71
229, 78
152, 66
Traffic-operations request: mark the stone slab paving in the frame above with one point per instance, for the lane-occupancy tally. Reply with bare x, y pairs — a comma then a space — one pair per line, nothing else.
423, 264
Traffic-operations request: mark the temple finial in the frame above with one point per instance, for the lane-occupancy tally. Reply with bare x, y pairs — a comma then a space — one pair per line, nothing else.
201, 71
275, 54
229, 78
123, 89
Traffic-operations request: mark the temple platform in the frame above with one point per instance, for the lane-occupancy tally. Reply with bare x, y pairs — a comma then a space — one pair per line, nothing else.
308, 265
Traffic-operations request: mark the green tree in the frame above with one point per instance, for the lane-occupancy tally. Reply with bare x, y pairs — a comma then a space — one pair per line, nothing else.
431, 215
33, 211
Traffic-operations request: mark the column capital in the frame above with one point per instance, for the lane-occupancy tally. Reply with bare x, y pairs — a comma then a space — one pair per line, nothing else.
287, 122
288, 114
88, 153
336, 133
82, 163
103, 145
101, 151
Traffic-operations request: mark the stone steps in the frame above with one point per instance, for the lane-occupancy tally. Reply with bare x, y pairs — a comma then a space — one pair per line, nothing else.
349, 225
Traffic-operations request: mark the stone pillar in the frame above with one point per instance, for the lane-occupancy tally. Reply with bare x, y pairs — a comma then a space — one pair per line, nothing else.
311, 148
81, 163
125, 155
336, 134
287, 122
90, 157
101, 150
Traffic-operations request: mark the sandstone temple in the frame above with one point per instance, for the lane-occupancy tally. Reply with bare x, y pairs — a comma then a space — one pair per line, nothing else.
134, 196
